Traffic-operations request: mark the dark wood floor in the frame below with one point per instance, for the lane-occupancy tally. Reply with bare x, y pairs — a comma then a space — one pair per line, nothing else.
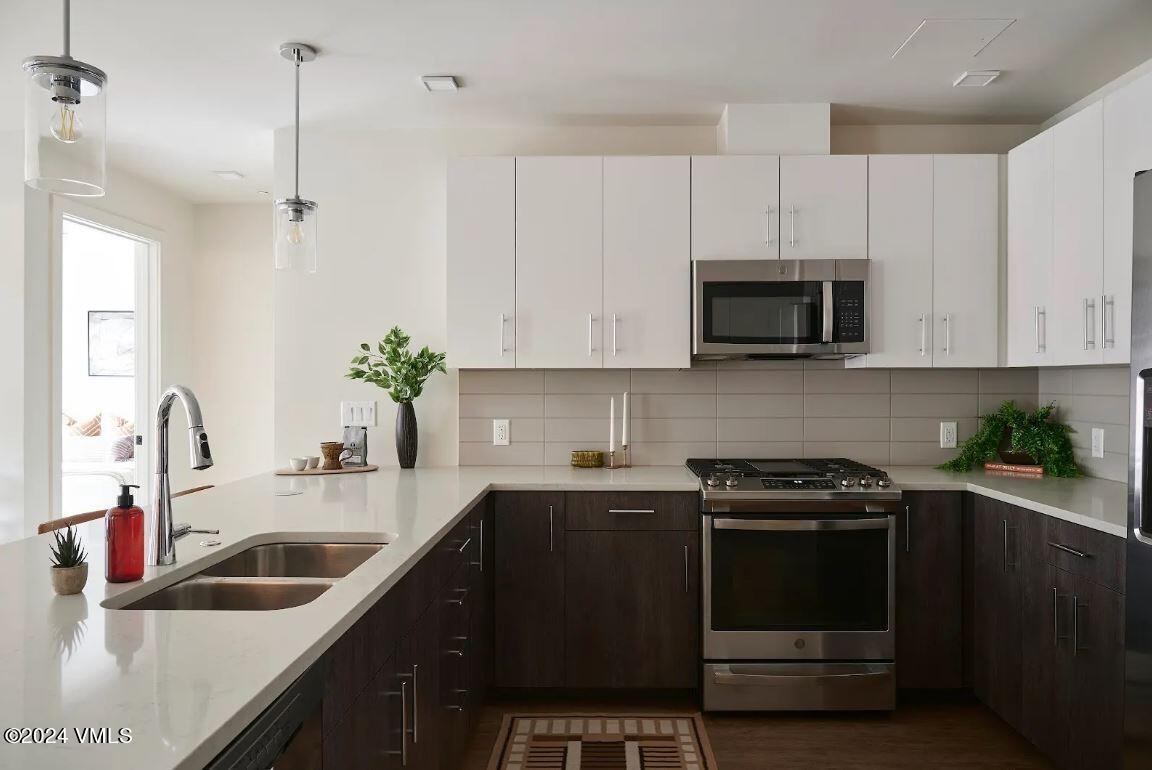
927, 732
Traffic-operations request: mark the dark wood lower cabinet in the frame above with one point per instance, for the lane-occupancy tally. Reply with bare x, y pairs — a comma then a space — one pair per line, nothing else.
529, 589
929, 591
633, 616
1048, 643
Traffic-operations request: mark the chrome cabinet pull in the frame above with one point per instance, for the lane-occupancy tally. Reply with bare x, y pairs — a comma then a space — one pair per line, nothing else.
685, 569
1089, 320
947, 334
589, 334
1044, 329
502, 348
631, 510
415, 704
907, 529
480, 562
1109, 313
1036, 325
923, 335
768, 226
1067, 549
464, 545
403, 693
1076, 648
1008, 563
550, 529
404, 723
792, 226
1055, 618
613, 334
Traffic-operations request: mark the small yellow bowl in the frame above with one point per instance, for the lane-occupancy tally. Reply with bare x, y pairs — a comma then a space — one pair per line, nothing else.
587, 458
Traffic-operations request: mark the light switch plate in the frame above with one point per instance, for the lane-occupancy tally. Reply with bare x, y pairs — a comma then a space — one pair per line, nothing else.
500, 432
1097, 442
361, 414
947, 435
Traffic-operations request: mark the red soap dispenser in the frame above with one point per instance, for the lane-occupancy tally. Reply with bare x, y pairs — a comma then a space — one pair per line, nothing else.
124, 539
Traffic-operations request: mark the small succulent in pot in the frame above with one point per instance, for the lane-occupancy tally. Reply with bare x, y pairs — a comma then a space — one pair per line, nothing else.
69, 563
395, 369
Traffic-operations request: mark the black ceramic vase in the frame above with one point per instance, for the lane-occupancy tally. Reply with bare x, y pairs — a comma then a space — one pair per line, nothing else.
406, 434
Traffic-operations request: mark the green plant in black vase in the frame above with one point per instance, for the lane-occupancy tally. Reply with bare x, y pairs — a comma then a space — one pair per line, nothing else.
1011, 429
397, 370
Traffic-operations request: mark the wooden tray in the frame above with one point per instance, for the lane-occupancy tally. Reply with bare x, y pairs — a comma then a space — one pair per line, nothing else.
322, 472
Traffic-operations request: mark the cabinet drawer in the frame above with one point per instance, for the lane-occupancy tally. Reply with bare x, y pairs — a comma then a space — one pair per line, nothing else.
632, 511
1095, 555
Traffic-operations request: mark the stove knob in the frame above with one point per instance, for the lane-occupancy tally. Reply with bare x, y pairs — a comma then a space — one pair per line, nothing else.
712, 481
732, 481
848, 481
866, 482
883, 482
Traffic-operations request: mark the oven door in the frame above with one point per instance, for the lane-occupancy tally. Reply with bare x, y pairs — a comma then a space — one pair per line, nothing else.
779, 307
790, 587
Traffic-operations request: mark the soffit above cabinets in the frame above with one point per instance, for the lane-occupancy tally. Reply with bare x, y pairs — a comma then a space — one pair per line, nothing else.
943, 39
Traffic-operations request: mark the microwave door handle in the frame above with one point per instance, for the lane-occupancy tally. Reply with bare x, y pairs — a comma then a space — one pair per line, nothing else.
826, 301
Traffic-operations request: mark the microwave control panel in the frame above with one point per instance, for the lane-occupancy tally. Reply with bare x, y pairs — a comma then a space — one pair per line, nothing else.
848, 304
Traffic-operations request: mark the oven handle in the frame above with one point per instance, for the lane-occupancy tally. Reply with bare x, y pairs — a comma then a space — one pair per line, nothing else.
802, 525
766, 676
826, 298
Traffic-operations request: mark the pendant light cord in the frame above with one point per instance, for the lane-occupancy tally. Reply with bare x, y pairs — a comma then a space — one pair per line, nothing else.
67, 28
297, 57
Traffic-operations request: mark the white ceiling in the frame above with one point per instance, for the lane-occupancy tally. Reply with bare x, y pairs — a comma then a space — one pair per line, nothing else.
198, 86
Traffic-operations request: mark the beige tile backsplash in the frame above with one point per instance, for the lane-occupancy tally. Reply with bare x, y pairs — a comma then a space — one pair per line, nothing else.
745, 408
780, 409
1090, 397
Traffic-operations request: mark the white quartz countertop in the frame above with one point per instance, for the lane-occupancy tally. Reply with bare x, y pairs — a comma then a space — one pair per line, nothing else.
1089, 502
187, 682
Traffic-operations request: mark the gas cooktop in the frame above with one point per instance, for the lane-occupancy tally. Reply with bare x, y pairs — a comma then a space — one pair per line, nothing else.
806, 478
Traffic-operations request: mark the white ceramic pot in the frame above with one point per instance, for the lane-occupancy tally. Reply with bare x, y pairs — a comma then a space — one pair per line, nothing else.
69, 580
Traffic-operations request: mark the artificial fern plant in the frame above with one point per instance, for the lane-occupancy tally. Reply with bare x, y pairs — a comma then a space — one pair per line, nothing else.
68, 552
1034, 434
394, 368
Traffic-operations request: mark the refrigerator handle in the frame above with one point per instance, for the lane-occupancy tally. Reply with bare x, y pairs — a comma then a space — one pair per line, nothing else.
1139, 453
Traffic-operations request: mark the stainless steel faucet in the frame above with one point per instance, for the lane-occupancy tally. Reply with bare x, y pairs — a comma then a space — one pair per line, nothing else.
161, 542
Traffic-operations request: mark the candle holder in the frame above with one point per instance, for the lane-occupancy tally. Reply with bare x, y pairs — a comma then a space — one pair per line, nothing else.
618, 459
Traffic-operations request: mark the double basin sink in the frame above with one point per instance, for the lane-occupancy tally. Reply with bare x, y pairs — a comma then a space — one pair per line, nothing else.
274, 576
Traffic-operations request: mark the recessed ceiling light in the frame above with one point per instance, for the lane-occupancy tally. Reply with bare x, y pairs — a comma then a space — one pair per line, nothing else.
975, 78
231, 176
440, 82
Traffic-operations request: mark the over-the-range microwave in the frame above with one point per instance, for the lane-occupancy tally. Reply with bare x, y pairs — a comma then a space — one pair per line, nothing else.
779, 308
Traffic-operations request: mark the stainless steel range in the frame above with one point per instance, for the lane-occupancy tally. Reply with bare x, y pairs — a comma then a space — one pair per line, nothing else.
799, 575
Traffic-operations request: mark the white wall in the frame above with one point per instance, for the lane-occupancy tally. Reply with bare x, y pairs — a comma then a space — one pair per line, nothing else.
382, 263
11, 335
882, 140
232, 347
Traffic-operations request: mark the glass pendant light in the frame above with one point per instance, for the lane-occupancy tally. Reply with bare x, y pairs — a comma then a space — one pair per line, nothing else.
64, 122
296, 217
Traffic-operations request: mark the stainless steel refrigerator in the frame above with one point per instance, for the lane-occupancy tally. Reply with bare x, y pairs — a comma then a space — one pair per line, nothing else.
1138, 590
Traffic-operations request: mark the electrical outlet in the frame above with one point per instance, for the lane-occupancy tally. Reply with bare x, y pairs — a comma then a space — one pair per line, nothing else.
361, 414
947, 435
1097, 442
500, 433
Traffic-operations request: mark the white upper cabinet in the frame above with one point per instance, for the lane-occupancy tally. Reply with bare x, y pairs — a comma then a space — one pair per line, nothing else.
934, 241
1077, 238
824, 207
1030, 219
900, 246
966, 260
559, 276
482, 262
1127, 149
647, 265
735, 207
